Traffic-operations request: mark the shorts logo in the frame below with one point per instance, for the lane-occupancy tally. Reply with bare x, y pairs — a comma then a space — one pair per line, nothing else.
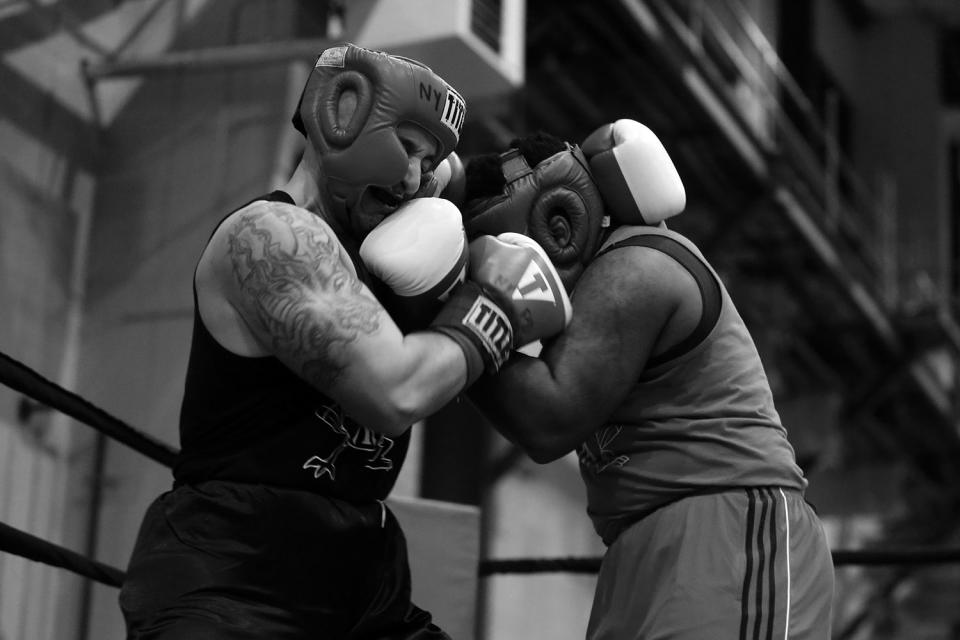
491, 325
332, 57
454, 111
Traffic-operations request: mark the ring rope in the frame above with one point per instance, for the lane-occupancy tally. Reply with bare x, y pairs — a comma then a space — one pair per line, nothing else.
872, 557
539, 565
31, 547
27, 381
904, 556
23, 379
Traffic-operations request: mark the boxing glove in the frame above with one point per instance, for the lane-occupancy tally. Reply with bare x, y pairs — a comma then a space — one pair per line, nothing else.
420, 253
448, 181
636, 177
512, 296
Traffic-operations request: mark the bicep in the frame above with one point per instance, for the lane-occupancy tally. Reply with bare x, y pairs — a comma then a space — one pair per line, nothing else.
288, 278
289, 283
620, 309
297, 292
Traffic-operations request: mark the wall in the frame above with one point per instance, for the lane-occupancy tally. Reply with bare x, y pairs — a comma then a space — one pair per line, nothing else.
188, 148
47, 156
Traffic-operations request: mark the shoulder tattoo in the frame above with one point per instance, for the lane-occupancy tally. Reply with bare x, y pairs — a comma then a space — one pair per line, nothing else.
288, 266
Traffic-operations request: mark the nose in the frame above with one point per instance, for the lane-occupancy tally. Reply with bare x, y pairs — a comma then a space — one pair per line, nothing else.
411, 181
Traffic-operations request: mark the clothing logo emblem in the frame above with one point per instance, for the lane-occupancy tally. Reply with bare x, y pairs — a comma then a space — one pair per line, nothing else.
595, 453
491, 325
533, 285
454, 111
354, 437
332, 57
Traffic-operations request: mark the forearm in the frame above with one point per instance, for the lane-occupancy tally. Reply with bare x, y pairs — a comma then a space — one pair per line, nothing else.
527, 404
437, 374
396, 380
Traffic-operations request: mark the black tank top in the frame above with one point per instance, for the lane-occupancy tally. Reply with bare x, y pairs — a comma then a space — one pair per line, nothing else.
253, 420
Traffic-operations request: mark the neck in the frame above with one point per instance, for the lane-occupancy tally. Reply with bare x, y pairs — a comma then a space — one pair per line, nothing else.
306, 188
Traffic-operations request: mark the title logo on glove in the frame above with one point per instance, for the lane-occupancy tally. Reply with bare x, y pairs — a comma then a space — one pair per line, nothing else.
533, 285
489, 322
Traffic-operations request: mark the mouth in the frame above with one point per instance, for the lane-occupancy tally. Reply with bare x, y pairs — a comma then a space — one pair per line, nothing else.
386, 197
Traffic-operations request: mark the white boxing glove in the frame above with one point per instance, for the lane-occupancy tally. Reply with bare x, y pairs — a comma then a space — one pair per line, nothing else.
420, 252
637, 179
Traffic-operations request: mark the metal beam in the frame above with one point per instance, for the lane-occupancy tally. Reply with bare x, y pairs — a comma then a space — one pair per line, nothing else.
211, 59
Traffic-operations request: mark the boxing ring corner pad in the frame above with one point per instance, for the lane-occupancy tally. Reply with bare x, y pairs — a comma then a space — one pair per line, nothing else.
443, 541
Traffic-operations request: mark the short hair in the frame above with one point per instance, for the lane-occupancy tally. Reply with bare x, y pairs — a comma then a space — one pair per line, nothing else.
484, 176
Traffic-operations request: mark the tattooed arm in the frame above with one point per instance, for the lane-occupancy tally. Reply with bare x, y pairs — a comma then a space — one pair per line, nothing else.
279, 272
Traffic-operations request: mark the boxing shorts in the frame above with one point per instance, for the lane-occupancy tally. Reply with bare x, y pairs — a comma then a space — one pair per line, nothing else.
222, 560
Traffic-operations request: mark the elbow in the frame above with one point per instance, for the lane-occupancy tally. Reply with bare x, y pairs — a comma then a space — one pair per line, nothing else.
393, 426
544, 455
383, 414
544, 448
543, 437
393, 421
397, 412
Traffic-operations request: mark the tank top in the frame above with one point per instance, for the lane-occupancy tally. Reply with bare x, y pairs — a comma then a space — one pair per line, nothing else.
700, 418
252, 420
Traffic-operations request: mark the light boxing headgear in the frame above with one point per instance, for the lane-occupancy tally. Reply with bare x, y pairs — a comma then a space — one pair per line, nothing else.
556, 203
389, 89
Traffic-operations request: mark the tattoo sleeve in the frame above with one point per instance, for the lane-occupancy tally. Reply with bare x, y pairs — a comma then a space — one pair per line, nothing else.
289, 269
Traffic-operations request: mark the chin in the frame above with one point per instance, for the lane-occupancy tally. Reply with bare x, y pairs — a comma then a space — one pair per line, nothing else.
365, 219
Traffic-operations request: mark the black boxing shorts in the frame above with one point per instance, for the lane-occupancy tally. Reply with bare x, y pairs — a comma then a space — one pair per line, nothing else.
226, 561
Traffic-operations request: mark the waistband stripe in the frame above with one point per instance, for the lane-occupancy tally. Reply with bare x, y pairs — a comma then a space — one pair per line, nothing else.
759, 581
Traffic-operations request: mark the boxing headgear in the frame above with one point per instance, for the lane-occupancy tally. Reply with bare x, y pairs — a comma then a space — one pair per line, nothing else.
556, 203
389, 90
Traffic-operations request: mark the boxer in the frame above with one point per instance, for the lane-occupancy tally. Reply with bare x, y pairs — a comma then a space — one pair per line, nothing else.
657, 385
301, 385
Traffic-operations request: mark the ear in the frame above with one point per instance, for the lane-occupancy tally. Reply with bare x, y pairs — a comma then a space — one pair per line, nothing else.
333, 98
559, 221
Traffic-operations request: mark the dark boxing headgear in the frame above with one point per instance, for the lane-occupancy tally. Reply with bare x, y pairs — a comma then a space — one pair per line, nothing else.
556, 203
389, 90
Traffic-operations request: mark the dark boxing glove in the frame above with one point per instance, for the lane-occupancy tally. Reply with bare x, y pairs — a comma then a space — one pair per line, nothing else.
554, 202
513, 295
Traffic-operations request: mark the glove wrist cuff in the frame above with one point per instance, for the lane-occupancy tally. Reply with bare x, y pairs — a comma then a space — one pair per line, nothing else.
474, 319
473, 356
